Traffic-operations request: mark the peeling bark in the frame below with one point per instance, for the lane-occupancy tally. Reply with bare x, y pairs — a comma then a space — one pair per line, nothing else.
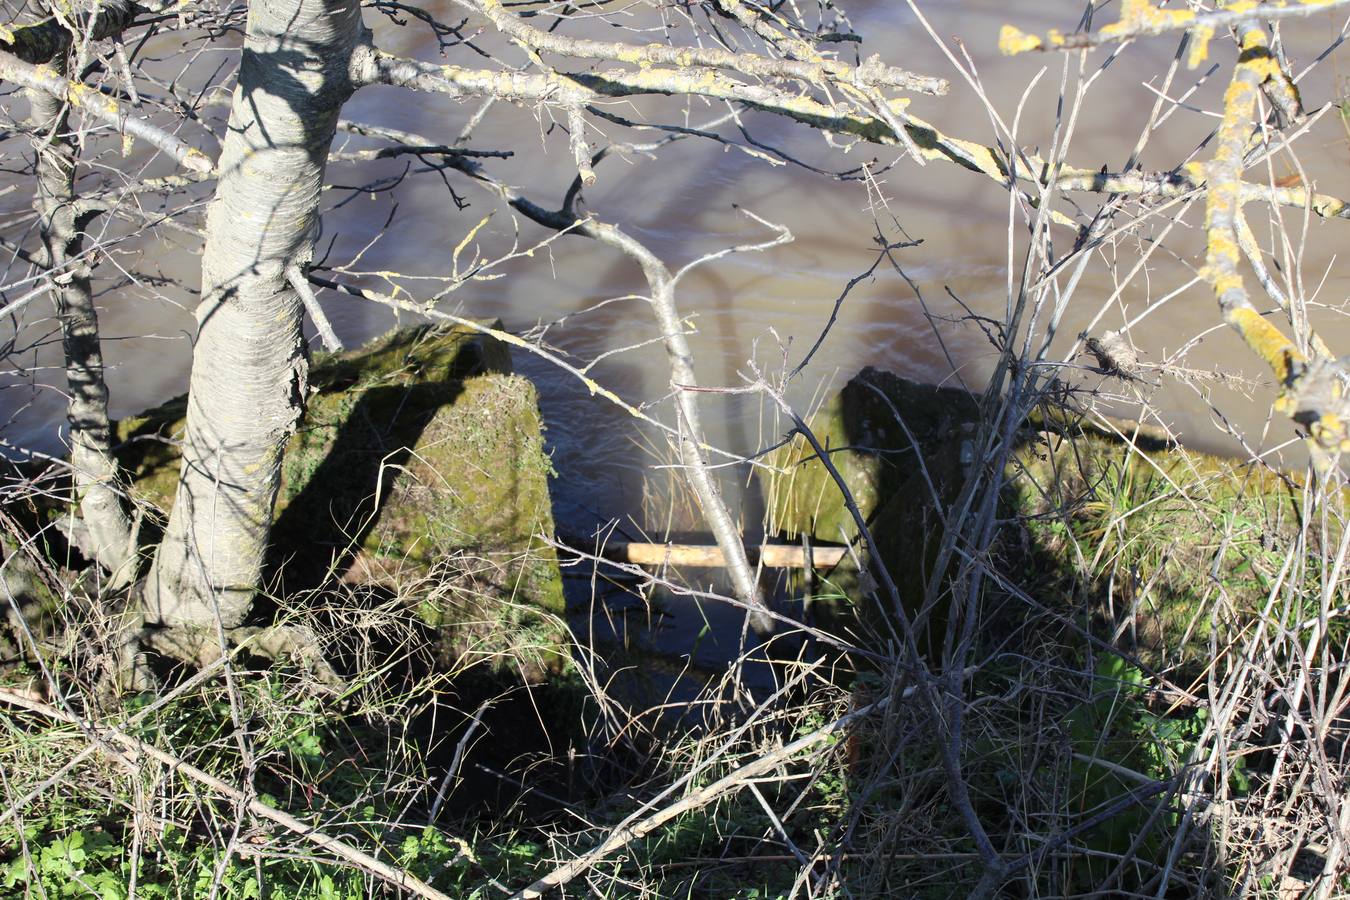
249, 367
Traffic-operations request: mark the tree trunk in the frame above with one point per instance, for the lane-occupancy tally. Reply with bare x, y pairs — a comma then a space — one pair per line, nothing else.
249, 365
95, 473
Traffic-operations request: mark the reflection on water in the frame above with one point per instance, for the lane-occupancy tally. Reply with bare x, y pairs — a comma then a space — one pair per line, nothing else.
765, 307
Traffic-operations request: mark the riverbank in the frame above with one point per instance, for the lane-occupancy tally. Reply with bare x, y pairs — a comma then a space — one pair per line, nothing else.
482, 735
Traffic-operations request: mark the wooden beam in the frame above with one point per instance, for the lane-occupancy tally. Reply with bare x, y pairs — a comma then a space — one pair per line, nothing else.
772, 556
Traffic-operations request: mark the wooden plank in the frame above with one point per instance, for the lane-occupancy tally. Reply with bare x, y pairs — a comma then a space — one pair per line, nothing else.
772, 556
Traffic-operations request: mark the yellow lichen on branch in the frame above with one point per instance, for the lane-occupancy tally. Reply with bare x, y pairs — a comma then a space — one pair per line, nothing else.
102, 107
1013, 40
1312, 392
1269, 343
1199, 52
1143, 18
1315, 391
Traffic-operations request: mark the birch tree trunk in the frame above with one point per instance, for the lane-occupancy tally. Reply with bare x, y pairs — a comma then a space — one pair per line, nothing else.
249, 365
94, 470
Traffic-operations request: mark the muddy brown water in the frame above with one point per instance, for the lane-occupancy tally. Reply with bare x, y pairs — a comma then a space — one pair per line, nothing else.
768, 307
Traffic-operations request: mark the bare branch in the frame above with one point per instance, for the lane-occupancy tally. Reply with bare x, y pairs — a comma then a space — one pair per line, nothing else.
134, 749
816, 72
581, 151
296, 279
635, 828
103, 108
1140, 18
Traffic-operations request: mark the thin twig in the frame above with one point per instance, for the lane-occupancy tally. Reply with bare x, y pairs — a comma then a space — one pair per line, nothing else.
134, 747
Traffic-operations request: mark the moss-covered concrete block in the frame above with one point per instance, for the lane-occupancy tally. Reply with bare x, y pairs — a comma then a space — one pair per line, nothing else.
1162, 545
420, 451
878, 430
1155, 545
475, 486
897, 444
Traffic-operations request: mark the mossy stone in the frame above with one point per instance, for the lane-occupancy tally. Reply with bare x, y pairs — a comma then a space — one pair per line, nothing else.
897, 445
1102, 524
1163, 544
416, 452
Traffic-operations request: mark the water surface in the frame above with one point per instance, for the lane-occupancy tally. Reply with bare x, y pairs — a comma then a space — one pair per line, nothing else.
766, 308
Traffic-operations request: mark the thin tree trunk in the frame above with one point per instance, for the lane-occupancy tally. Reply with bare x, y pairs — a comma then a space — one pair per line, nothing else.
95, 471
727, 533
249, 365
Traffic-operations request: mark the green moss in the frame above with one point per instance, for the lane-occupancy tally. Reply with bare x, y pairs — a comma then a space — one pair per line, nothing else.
1187, 541
897, 444
421, 447
479, 628
149, 452
30, 609
1147, 534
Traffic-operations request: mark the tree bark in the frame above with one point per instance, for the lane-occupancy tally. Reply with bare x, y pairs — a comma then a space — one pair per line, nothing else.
249, 366
726, 531
95, 475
